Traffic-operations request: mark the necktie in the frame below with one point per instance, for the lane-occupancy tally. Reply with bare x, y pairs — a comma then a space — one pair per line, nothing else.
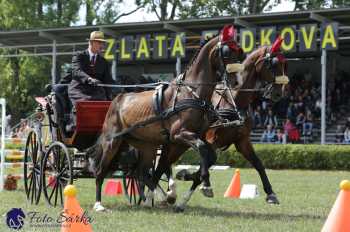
93, 59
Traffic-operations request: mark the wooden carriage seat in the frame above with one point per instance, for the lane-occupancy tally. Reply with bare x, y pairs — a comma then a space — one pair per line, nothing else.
90, 116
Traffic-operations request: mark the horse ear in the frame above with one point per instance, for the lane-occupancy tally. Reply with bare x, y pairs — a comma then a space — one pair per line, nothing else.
276, 45
227, 34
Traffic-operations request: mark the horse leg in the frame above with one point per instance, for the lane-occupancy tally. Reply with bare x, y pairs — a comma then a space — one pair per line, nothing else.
169, 155
207, 154
196, 177
109, 151
146, 162
245, 147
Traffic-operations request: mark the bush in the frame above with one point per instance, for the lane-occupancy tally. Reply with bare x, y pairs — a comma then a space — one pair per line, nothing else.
289, 156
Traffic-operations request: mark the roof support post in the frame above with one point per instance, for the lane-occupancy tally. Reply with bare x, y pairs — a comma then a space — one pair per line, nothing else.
323, 95
54, 60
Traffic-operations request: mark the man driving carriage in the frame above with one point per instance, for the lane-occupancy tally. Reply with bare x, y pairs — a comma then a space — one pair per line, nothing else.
90, 68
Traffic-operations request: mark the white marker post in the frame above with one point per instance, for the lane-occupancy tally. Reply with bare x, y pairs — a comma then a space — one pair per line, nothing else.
3, 126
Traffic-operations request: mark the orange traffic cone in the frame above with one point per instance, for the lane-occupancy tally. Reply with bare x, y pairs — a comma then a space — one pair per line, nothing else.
234, 189
74, 220
339, 218
113, 188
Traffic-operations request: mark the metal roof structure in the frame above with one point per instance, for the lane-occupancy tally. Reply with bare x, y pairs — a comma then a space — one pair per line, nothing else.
39, 42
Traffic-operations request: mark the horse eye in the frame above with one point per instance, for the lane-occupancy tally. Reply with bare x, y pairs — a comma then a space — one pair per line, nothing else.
226, 51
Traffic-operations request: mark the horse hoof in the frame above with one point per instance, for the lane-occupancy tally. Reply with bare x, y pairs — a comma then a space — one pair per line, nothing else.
272, 199
163, 204
207, 191
179, 209
98, 207
171, 200
183, 175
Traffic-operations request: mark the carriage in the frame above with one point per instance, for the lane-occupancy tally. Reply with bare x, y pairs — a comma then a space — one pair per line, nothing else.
55, 157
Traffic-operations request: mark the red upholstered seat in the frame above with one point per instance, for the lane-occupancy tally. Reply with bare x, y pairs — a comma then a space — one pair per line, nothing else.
91, 115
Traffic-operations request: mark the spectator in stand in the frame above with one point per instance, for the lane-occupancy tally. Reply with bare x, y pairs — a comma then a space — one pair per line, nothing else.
280, 137
300, 107
257, 117
291, 131
288, 126
339, 135
300, 120
336, 99
318, 107
347, 124
307, 98
269, 135
347, 135
264, 107
291, 111
308, 124
271, 119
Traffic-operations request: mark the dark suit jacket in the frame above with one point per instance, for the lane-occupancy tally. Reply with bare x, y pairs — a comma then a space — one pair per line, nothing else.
79, 89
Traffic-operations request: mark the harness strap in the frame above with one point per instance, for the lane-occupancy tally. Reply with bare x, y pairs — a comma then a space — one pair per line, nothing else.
157, 106
169, 112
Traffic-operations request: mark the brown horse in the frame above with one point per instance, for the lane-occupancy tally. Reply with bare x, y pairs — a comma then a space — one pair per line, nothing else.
264, 71
132, 117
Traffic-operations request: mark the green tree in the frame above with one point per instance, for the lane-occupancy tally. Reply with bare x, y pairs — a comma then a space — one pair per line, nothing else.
23, 78
106, 11
320, 4
211, 8
163, 9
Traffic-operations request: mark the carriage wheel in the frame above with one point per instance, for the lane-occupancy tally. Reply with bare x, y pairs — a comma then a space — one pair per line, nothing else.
131, 189
56, 172
32, 169
136, 192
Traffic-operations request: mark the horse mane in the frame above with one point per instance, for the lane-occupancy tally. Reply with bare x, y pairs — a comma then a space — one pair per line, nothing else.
194, 57
252, 57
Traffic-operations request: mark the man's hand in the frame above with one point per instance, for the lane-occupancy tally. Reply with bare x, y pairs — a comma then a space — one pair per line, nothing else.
93, 81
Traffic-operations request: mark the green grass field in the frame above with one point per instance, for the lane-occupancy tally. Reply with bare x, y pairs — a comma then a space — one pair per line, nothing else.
306, 198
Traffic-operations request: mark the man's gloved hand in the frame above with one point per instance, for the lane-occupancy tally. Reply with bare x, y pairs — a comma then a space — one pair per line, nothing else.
93, 81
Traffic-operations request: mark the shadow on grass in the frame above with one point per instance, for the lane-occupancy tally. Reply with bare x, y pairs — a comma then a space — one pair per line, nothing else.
210, 212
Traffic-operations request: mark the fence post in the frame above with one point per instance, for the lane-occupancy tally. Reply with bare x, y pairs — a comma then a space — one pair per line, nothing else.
3, 126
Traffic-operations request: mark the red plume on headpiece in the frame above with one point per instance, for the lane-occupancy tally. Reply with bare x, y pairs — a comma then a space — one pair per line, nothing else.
227, 34
277, 44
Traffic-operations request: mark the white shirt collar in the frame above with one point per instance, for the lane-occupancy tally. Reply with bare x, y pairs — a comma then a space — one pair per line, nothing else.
91, 54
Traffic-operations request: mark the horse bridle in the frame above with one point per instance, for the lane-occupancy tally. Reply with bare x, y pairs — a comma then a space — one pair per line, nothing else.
222, 71
266, 87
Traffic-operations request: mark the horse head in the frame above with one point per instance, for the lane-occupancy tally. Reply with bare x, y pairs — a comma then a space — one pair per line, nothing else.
219, 58
271, 68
